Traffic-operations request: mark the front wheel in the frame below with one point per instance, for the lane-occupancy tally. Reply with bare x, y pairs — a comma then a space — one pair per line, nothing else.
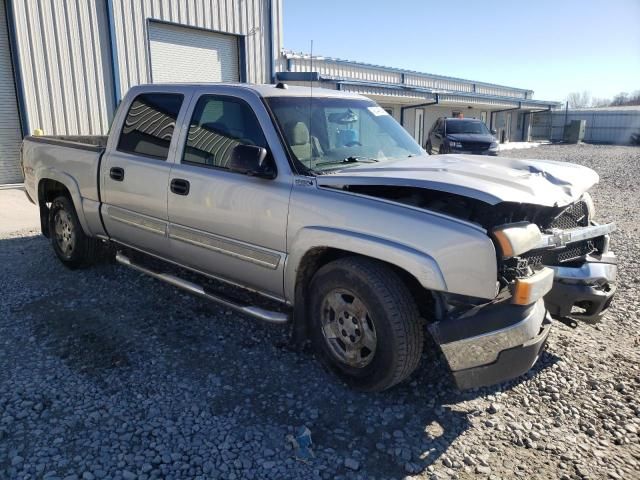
364, 323
71, 245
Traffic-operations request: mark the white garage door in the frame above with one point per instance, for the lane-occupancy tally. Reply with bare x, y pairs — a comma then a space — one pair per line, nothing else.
10, 135
183, 54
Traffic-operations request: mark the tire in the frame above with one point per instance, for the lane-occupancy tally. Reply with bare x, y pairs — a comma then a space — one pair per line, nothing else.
429, 148
360, 304
71, 245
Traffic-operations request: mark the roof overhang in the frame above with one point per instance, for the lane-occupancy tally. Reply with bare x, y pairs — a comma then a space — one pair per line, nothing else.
407, 95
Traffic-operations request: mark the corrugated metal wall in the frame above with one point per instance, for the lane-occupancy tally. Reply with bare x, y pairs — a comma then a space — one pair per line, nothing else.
65, 63
342, 69
334, 69
603, 126
66, 57
243, 17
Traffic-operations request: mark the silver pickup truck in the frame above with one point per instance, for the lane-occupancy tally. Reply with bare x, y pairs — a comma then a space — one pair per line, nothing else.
321, 204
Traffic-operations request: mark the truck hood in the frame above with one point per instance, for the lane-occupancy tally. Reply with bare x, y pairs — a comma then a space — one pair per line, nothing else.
489, 179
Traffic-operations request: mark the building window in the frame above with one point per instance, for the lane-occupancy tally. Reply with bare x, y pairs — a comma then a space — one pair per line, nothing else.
149, 125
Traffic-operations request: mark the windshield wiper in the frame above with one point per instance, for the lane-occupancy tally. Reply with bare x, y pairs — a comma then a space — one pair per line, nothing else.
350, 159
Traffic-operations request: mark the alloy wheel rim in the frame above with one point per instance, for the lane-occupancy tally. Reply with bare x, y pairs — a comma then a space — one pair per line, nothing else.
65, 235
348, 328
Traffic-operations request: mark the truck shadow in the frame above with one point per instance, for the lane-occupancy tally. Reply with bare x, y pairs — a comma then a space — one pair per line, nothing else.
133, 337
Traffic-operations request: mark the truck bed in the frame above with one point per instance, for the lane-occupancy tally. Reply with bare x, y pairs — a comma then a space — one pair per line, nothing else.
92, 142
71, 159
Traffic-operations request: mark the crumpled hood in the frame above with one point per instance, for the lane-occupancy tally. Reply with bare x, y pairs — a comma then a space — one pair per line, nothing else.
489, 179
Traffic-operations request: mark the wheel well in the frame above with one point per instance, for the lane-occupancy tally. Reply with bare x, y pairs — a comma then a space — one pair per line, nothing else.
316, 258
49, 190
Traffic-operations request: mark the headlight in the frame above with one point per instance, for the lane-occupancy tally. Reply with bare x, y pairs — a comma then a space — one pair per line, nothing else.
493, 146
455, 144
591, 208
516, 238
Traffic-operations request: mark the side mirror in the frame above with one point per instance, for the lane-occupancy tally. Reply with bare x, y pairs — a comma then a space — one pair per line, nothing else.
494, 131
251, 160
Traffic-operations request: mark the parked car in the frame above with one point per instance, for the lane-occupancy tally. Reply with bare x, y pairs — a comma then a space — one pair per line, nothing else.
461, 135
325, 208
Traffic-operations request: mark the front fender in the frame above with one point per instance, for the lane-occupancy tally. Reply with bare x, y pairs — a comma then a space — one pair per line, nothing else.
72, 186
423, 267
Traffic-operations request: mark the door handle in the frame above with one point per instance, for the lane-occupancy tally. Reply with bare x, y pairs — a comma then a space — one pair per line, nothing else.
180, 186
117, 174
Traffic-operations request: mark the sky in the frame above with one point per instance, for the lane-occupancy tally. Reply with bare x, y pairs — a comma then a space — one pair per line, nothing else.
551, 47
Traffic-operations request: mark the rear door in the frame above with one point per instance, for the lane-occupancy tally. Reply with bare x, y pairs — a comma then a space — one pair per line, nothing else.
135, 170
223, 223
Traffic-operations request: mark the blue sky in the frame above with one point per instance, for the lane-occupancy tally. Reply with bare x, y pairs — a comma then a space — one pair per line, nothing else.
552, 47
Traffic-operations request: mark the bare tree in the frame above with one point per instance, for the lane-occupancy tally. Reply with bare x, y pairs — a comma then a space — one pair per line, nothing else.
600, 102
579, 99
620, 99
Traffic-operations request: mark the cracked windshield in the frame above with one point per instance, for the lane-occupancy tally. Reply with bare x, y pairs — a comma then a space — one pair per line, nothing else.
326, 134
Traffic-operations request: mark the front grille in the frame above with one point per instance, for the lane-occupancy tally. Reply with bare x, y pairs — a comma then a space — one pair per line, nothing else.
474, 146
559, 255
575, 215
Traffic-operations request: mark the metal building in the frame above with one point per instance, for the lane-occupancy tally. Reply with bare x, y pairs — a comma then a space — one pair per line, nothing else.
417, 99
64, 65
607, 125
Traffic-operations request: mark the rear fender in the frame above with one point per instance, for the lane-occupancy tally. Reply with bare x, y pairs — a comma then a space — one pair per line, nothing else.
72, 187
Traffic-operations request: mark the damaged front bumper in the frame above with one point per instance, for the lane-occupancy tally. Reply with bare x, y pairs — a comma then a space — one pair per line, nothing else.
492, 343
583, 291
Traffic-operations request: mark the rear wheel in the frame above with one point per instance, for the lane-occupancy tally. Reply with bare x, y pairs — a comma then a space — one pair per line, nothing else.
72, 246
365, 323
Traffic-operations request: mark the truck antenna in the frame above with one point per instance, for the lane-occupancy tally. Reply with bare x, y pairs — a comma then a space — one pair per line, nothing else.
311, 108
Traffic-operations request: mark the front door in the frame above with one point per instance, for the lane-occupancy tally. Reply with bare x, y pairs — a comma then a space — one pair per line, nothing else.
135, 172
418, 128
223, 223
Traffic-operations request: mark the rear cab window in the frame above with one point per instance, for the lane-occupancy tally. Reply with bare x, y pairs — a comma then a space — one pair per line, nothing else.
149, 125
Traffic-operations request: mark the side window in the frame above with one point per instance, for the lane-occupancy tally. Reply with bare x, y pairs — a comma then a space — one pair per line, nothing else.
149, 125
217, 126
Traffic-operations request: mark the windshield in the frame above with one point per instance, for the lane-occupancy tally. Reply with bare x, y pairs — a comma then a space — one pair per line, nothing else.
331, 133
465, 126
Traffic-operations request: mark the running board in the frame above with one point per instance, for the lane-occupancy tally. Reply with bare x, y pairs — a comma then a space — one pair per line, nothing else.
256, 312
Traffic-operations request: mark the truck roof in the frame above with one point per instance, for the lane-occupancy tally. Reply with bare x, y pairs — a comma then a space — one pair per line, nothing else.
264, 90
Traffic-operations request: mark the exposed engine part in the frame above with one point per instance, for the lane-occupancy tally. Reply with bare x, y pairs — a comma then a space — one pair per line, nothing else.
489, 216
476, 211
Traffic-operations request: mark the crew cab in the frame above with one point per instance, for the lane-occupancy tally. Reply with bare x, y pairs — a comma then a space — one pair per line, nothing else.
461, 135
329, 217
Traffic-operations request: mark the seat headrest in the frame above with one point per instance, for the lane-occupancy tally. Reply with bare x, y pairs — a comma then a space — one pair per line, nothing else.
298, 133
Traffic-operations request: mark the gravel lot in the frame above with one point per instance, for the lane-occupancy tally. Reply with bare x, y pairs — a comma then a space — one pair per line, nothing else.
105, 373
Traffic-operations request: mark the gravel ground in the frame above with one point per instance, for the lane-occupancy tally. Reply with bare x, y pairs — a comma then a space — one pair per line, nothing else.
105, 373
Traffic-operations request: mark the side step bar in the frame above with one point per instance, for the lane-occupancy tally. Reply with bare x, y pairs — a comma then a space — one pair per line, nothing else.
260, 313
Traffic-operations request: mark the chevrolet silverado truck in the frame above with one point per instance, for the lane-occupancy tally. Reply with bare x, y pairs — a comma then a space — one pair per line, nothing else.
324, 209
